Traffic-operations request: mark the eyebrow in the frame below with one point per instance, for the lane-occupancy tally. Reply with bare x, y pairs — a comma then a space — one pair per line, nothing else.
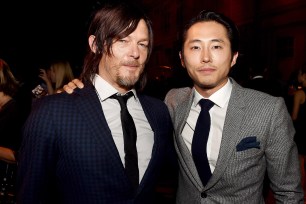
144, 39
213, 40
217, 40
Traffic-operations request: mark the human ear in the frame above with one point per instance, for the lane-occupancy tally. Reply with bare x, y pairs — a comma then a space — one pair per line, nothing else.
234, 60
92, 44
182, 59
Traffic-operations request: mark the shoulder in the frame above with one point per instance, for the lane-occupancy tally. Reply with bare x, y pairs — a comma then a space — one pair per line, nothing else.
151, 101
258, 107
178, 97
52, 99
155, 109
251, 93
49, 105
299, 96
254, 99
178, 93
299, 93
64, 101
87, 90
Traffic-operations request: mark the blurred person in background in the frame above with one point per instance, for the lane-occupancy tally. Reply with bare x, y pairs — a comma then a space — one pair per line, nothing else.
45, 81
298, 116
260, 79
10, 132
55, 77
60, 73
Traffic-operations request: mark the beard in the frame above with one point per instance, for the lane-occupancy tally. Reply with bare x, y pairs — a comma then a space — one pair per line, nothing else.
129, 80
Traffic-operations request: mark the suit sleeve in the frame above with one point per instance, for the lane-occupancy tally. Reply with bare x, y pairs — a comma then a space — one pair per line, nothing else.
282, 157
37, 157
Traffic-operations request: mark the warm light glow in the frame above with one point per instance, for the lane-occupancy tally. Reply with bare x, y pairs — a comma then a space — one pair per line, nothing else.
165, 67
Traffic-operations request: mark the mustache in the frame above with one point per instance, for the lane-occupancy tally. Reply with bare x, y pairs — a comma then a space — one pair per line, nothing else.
132, 63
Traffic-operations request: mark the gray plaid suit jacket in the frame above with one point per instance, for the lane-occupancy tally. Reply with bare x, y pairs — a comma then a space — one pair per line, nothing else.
257, 137
68, 154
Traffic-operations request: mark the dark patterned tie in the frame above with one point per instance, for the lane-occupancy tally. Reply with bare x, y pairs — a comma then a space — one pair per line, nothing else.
199, 141
130, 137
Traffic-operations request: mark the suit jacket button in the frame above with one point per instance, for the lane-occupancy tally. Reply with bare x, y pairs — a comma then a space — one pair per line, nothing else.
203, 195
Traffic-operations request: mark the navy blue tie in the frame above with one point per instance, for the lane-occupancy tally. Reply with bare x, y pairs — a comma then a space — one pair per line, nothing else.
199, 141
130, 137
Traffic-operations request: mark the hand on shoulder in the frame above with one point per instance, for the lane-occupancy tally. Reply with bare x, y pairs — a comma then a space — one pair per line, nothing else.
75, 83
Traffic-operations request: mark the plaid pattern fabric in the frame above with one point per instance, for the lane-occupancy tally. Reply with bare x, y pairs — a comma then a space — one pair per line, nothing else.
68, 154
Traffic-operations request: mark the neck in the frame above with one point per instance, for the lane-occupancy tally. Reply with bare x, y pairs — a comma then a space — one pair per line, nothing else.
4, 99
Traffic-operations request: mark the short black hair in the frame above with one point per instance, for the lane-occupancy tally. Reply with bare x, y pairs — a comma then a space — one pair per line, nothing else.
206, 16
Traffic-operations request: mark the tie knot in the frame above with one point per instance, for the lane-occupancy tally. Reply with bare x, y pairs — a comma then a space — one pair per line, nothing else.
122, 98
206, 104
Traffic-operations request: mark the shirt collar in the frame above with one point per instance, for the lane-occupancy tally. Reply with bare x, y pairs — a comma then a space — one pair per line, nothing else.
220, 97
105, 90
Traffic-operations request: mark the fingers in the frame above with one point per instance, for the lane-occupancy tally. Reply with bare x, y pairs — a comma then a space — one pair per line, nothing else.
69, 87
76, 82
72, 85
42, 74
42, 71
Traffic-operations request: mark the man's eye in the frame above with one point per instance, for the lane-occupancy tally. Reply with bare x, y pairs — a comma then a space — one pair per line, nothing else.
217, 47
143, 45
195, 47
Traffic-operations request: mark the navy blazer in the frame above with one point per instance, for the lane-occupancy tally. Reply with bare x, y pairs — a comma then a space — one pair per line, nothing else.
68, 154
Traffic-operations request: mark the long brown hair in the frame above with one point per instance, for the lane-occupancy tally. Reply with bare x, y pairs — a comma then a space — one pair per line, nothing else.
111, 22
8, 83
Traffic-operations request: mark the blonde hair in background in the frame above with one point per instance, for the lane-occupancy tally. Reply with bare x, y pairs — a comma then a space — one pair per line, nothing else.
63, 73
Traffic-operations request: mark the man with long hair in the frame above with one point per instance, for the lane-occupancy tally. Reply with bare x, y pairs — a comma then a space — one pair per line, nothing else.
73, 148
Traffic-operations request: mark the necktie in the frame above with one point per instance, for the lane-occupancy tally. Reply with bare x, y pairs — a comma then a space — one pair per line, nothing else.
130, 137
199, 141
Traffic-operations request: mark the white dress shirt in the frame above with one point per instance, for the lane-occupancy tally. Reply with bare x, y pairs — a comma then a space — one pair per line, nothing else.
111, 109
217, 115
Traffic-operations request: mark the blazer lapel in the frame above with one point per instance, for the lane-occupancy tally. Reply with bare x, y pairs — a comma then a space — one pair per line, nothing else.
152, 122
149, 113
233, 120
181, 115
89, 106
